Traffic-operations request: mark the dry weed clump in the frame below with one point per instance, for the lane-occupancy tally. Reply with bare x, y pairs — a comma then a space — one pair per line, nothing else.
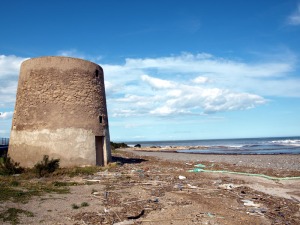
9, 167
46, 166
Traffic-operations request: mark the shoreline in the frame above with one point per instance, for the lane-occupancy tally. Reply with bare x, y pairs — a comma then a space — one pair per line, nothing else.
198, 149
286, 162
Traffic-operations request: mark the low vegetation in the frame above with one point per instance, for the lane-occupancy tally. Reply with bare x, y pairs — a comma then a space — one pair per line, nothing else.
46, 166
22, 190
78, 171
118, 145
83, 204
12, 215
9, 167
19, 189
74, 206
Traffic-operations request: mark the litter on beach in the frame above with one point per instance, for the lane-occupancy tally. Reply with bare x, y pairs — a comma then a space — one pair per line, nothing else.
200, 165
250, 203
227, 186
181, 177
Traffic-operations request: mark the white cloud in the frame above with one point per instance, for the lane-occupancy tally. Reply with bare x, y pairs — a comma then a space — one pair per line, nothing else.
294, 18
201, 80
157, 83
174, 93
9, 72
6, 115
10, 65
191, 84
109, 88
123, 112
9, 86
187, 63
172, 85
163, 110
195, 99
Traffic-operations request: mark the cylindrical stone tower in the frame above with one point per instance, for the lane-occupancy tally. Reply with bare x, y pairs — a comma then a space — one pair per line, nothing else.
60, 111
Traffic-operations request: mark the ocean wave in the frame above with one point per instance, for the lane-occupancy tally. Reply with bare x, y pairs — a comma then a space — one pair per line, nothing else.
286, 142
252, 146
235, 146
288, 145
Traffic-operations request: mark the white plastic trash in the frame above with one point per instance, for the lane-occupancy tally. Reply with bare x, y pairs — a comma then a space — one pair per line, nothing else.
181, 177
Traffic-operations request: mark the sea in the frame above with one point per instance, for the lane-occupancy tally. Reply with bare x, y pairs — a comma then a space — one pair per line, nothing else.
243, 146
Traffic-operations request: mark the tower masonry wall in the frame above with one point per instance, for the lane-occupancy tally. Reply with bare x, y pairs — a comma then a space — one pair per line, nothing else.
60, 109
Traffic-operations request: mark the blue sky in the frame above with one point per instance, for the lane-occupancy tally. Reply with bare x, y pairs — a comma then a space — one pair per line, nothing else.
174, 69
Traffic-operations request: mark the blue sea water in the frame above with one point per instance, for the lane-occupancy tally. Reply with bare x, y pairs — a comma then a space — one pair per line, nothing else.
273, 145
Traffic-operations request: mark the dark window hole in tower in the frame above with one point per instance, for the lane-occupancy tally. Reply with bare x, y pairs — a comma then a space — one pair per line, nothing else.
97, 73
100, 119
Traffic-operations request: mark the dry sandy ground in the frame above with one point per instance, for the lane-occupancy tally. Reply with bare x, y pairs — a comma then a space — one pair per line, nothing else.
280, 162
148, 190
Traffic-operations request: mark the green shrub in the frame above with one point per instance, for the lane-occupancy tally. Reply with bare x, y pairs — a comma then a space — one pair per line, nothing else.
74, 206
117, 145
64, 184
46, 166
9, 167
84, 204
15, 183
78, 171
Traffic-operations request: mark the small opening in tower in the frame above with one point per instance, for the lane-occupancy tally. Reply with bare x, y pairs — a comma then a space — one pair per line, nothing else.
100, 119
97, 73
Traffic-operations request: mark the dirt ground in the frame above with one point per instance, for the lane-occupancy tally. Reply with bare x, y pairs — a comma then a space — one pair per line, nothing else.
147, 190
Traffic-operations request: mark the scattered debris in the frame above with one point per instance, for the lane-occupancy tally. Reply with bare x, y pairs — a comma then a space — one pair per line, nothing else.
97, 181
181, 177
191, 186
196, 170
210, 215
200, 165
227, 186
136, 216
257, 211
106, 210
157, 192
250, 203
125, 222
178, 186
96, 193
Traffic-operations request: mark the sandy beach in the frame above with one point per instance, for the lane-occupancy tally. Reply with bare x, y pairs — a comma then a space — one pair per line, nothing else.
157, 188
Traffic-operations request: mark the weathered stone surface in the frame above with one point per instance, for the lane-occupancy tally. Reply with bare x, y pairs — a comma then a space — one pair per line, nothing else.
60, 111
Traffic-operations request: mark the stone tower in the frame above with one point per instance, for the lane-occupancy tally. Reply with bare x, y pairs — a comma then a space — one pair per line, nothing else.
60, 111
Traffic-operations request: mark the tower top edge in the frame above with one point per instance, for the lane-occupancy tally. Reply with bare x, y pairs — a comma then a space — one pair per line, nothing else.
58, 58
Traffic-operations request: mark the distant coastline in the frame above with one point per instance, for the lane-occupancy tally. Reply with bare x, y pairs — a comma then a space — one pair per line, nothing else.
251, 146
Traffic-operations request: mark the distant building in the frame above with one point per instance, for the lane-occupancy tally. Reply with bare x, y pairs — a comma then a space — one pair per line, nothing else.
60, 111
